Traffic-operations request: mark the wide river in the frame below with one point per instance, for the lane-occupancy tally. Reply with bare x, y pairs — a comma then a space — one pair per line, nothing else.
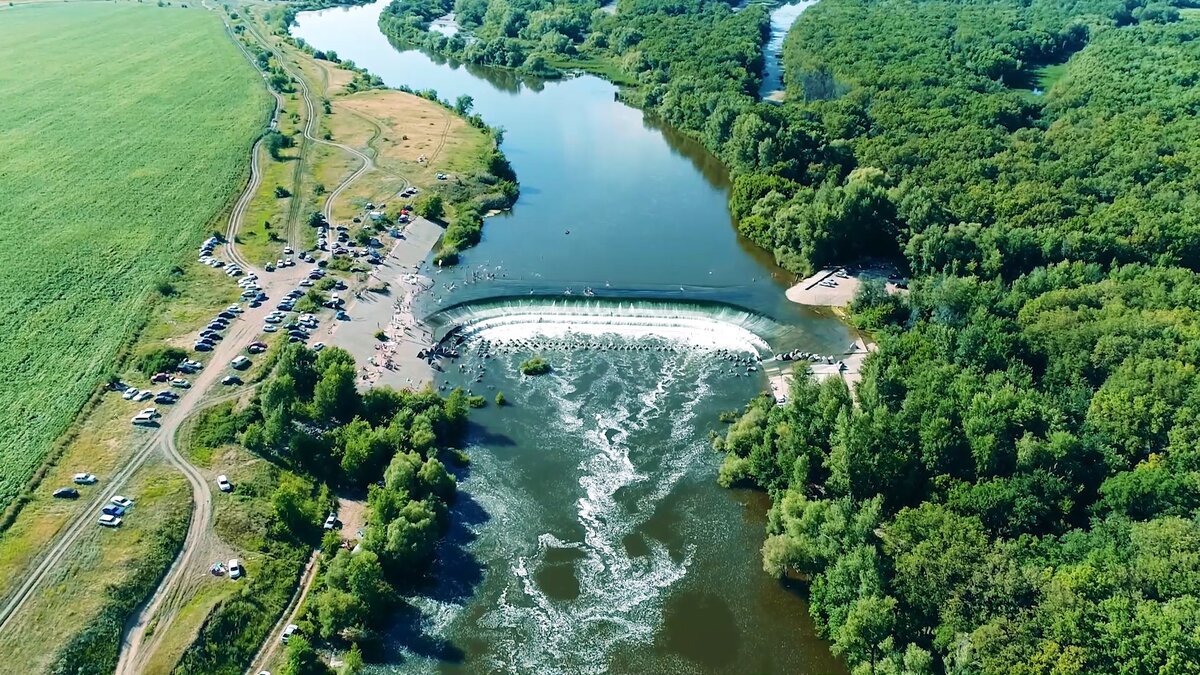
590, 535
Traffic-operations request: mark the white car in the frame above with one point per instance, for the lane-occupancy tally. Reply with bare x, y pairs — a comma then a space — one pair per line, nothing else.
130, 393
152, 412
318, 346
288, 632
142, 419
236, 309
270, 328
110, 521
180, 383
85, 478
125, 502
306, 282
235, 569
273, 319
223, 483
144, 396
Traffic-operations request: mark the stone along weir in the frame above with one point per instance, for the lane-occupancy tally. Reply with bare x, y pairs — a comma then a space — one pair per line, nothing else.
590, 535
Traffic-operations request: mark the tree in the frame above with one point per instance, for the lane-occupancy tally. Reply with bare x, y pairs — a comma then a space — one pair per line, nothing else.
301, 659
429, 205
276, 143
867, 631
463, 105
335, 396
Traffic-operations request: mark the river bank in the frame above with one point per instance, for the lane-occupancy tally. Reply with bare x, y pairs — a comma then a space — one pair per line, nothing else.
392, 361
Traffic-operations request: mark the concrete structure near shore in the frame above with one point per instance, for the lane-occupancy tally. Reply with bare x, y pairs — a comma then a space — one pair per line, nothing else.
392, 362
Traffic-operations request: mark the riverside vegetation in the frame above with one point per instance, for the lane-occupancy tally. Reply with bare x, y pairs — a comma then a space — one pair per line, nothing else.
318, 433
1014, 487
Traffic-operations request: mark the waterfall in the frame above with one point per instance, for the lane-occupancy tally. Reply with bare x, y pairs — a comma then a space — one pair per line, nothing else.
701, 325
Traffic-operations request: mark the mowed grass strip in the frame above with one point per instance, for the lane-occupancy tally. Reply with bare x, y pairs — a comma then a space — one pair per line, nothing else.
126, 134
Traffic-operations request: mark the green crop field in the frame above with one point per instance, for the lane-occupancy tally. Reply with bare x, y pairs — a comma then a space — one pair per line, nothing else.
126, 131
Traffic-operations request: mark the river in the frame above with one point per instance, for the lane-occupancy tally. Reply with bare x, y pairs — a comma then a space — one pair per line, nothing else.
590, 535
782, 18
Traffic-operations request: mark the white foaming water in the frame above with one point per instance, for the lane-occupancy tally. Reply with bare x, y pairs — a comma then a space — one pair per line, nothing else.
701, 326
620, 597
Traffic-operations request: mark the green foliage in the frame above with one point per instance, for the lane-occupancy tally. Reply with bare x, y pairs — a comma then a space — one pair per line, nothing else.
281, 192
276, 143
535, 366
501, 401
429, 205
161, 359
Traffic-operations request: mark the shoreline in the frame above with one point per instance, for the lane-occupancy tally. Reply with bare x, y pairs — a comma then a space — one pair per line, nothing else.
834, 288
392, 362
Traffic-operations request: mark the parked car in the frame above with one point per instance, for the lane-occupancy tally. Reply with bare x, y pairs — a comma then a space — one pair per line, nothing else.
331, 521
85, 479
230, 380
110, 521
180, 383
202, 347
66, 493
270, 328
113, 510
159, 377
318, 346
223, 483
227, 315
121, 501
130, 393
235, 569
288, 632
143, 420
240, 363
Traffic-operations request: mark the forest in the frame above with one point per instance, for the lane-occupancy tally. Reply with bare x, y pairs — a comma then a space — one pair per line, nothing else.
1013, 487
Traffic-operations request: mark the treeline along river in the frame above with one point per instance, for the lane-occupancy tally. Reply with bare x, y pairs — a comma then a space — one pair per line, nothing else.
590, 534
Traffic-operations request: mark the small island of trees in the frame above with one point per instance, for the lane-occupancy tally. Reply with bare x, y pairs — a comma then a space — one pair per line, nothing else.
535, 366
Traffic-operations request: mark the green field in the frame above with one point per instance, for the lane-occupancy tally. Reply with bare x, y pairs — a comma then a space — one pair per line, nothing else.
126, 131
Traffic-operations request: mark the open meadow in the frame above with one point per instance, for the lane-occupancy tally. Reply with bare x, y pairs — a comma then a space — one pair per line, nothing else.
126, 134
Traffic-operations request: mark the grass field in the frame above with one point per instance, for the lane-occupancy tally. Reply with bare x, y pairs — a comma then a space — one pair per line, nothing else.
126, 130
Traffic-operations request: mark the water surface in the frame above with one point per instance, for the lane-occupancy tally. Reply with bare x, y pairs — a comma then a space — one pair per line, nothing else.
590, 535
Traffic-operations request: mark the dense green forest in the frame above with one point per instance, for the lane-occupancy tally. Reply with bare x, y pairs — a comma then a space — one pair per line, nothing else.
1014, 486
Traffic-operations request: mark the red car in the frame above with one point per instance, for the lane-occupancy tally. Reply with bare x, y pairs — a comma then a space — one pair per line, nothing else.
160, 377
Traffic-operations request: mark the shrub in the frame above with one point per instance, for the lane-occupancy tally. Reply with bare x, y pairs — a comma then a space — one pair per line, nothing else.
500, 400
535, 366
160, 360
381, 335
281, 192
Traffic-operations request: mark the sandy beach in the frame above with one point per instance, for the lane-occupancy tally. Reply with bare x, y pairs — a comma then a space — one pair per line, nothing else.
392, 362
836, 287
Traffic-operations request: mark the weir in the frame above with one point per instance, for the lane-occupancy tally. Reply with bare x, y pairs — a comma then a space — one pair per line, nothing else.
702, 325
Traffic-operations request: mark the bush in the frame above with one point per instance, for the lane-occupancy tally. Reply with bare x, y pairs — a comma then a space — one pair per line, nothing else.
476, 401
500, 400
160, 360
381, 335
429, 205
281, 192
535, 366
